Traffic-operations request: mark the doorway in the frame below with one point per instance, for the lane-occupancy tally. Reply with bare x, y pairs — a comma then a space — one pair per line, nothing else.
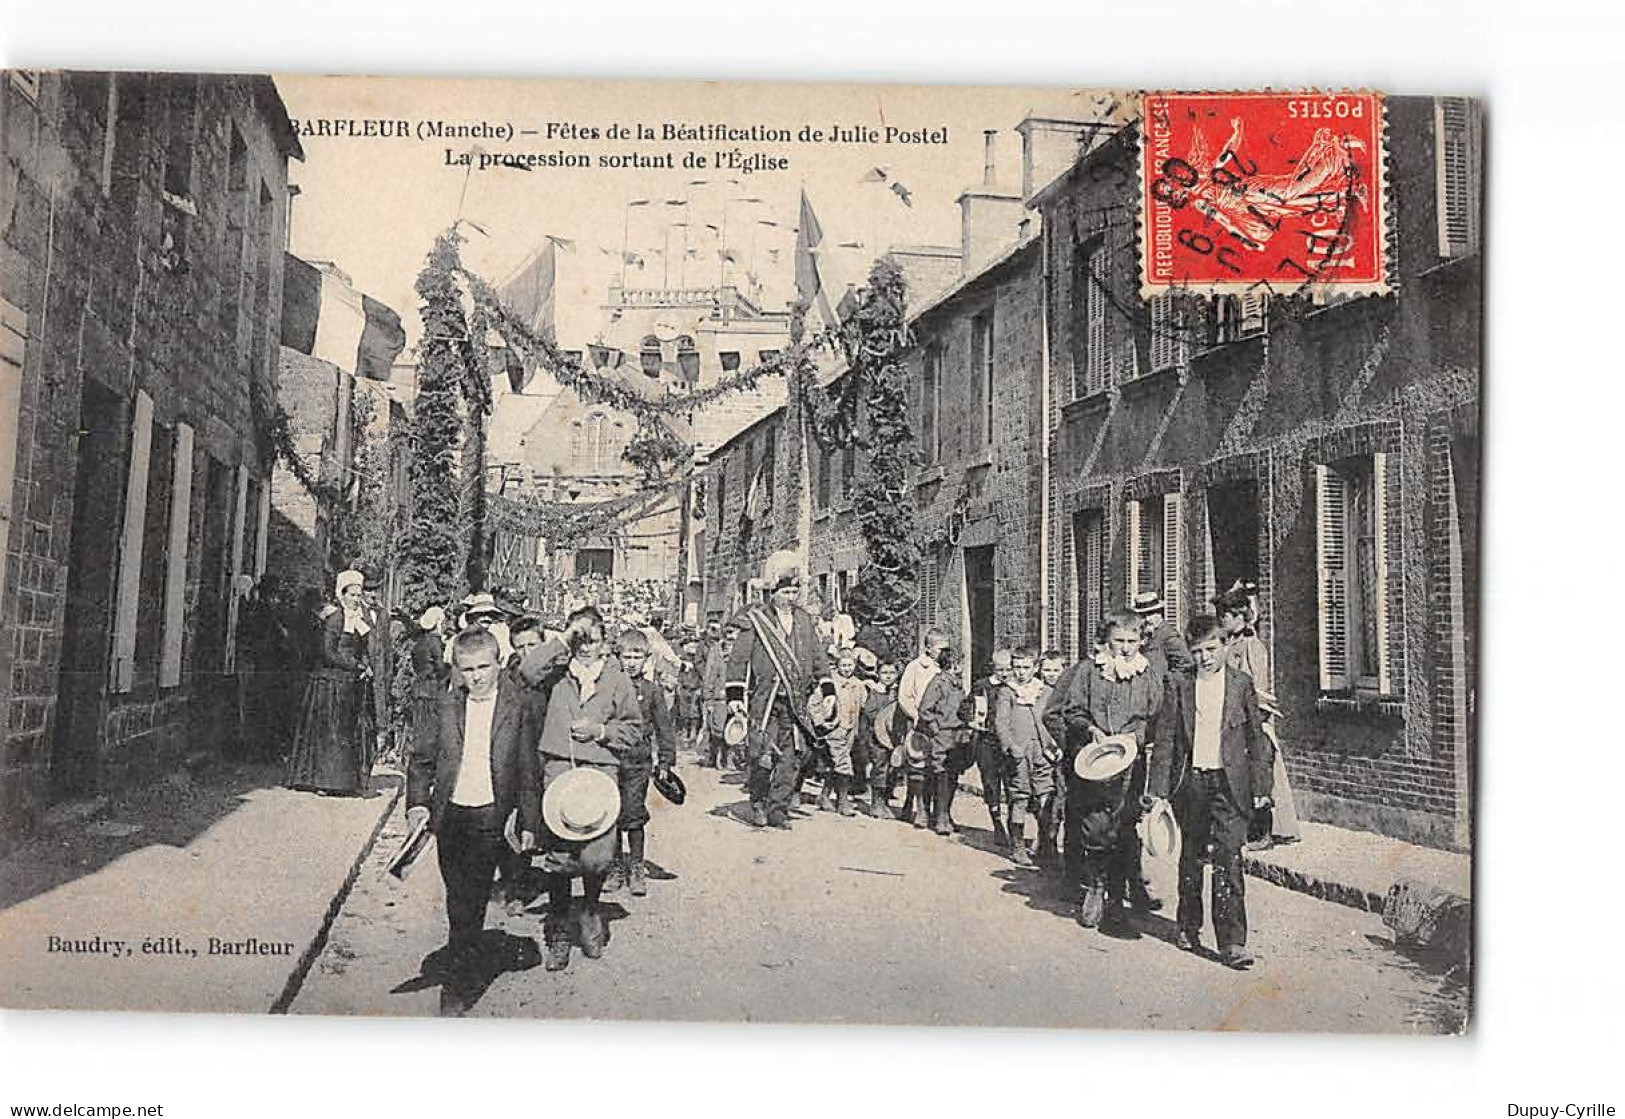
979, 607
1232, 533
81, 703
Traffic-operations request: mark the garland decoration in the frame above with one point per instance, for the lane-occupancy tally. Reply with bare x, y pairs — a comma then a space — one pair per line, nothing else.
867, 406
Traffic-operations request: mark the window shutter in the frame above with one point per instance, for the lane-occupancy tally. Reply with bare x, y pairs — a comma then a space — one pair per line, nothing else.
1132, 560
1254, 308
180, 514
13, 342
1094, 572
135, 520
1379, 507
1173, 544
239, 521
1456, 148
1331, 552
928, 590
1163, 348
262, 528
1095, 310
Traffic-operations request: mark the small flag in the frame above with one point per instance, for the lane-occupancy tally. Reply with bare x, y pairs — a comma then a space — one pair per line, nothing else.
632, 258
564, 243
875, 175
850, 245
637, 202
677, 202
764, 221
728, 255
712, 228
903, 193
696, 182
691, 254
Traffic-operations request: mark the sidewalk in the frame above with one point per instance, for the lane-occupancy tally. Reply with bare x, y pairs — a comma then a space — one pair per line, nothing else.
206, 891
1353, 868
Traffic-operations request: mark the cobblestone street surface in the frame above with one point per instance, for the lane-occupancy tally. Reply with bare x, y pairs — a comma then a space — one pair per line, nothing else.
860, 920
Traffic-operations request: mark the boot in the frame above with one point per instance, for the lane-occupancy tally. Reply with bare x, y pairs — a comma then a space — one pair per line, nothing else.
556, 936
615, 880
824, 791
637, 875
1018, 839
914, 803
843, 794
593, 934
1140, 898
878, 808
945, 804
1001, 836
1093, 905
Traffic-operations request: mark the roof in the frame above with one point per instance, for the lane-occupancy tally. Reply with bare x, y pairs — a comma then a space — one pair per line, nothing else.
276, 111
1016, 248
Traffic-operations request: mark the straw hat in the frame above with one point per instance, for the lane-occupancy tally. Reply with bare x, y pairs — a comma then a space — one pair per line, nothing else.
1159, 831
735, 730
1103, 760
581, 804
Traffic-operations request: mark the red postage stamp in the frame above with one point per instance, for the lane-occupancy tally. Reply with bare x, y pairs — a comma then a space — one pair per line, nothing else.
1248, 192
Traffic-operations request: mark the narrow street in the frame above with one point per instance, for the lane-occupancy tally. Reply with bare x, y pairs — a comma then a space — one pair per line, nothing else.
861, 920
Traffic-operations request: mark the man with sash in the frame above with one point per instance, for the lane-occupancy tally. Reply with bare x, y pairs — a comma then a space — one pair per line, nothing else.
777, 662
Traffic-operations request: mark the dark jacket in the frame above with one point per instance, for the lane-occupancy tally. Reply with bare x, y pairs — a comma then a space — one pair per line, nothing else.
1085, 698
1167, 651
431, 773
1245, 750
429, 668
613, 704
751, 676
659, 742
342, 654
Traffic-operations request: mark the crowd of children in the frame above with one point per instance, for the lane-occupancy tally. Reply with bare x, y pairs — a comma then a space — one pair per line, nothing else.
1191, 722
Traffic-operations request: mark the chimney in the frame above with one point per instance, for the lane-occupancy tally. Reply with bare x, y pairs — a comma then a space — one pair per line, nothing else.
989, 218
1051, 145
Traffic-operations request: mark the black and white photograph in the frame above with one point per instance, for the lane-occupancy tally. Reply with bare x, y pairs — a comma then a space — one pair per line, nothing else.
847, 554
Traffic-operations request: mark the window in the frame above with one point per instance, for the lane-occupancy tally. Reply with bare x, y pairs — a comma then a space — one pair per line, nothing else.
1088, 578
576, 434
1458, 143
1091, 361
765, 356
769, 463
981, 349
179, 209
688, 359
1352, 557
149, 610
821, 473
1232, 553
236, 233
1167, 341
649, 356
1155, 541
849, 467
842, 584
595, 561
931, 407
722, 505
730, 361
1237, 316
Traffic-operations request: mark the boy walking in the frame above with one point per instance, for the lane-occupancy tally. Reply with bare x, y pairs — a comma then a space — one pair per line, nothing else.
1028, 750
1114, 694
658, 747
1214, 759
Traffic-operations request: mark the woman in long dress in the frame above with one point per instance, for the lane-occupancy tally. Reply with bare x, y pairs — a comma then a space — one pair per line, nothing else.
332, 752
1246, 652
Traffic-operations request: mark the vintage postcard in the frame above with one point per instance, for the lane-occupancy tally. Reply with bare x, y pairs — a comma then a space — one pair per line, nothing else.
739, 552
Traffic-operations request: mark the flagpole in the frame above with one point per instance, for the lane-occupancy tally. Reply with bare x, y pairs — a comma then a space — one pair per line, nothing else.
722, 251
626, 233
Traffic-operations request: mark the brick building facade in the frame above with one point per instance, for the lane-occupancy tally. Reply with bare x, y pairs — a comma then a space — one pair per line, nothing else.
140, 282
1327, 450
1324, 448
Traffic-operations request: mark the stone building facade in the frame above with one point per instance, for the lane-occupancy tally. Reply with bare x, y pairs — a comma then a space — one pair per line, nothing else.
1325, 449
141, 241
